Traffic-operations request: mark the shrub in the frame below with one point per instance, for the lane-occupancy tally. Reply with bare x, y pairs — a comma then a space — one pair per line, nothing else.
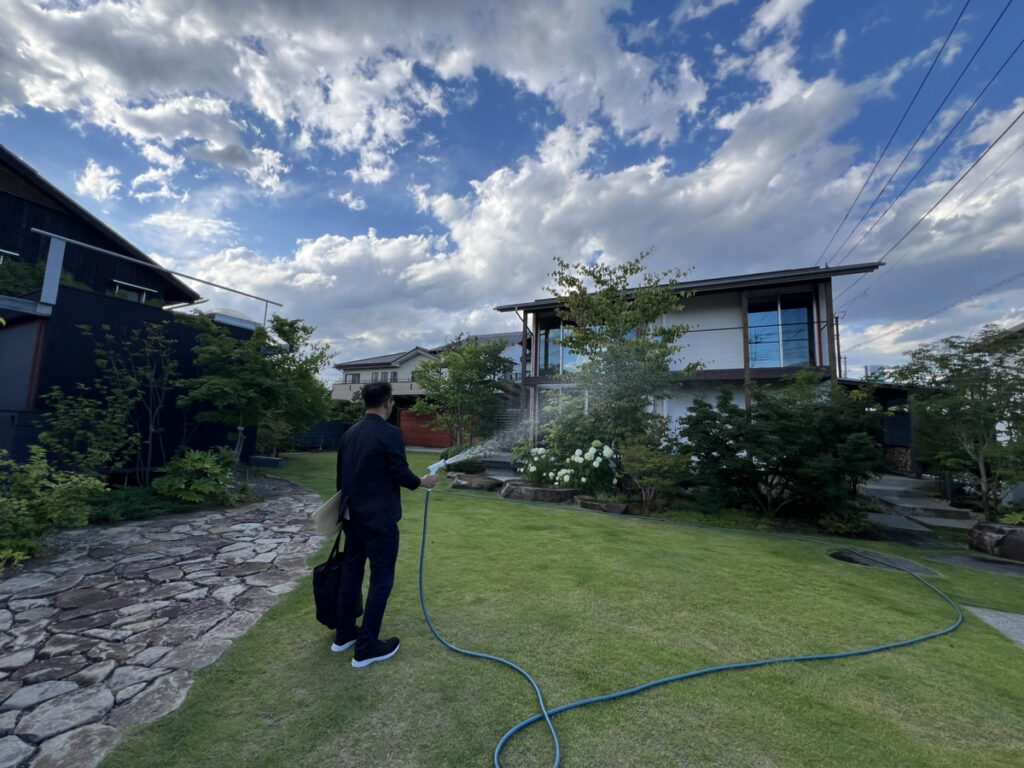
130, 503
593, 469
198, 477
36, 499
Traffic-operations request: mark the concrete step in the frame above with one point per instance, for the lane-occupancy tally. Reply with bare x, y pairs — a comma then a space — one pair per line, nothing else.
922, 506
943, 522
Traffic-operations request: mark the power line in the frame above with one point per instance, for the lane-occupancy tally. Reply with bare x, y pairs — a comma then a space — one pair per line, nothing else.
929, 211
930, 157
892, 136
983, 291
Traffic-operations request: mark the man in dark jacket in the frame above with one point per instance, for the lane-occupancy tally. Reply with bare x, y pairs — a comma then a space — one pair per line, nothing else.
371, 469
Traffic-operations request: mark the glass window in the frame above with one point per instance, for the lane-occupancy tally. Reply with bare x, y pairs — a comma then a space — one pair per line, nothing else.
351, 378
374, 376
763, 332
779, 330
394, 375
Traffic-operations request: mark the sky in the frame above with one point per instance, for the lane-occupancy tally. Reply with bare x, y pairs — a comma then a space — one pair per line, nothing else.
390, 171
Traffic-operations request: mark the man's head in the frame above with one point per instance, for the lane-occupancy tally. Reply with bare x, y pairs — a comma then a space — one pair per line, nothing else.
376, 395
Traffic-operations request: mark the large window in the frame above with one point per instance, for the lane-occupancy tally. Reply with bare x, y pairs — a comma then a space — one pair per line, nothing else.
555, 357
351, 378
780, 330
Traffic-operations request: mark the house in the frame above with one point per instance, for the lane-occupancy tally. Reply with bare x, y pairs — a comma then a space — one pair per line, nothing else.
743, 329
400, 369
61, 268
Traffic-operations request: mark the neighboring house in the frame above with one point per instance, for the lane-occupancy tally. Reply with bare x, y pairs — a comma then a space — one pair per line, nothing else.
62, 267
748, 328
400, 370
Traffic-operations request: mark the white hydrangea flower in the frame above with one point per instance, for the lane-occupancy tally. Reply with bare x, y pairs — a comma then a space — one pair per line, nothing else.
607, 452
583, 479
579, 452
533, 468
597, 463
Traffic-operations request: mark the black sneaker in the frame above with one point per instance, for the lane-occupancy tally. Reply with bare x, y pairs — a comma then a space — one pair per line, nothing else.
343, 641
377, 651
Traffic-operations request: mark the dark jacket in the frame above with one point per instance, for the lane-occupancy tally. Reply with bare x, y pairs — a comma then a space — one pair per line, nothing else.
371, 468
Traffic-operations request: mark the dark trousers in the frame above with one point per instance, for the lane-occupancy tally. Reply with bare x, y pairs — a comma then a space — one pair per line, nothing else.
380, 547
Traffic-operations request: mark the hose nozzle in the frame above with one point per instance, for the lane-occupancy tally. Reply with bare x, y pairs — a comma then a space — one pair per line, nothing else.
432, 469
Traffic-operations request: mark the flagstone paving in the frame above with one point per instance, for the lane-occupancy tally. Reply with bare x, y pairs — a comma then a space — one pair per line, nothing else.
108, 631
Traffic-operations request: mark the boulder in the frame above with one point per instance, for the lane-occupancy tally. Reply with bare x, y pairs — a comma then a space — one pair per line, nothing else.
517, 489
611, 507
999, 539
468, 482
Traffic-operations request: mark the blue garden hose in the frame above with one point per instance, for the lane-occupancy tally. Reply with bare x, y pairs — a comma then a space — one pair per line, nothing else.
546, 714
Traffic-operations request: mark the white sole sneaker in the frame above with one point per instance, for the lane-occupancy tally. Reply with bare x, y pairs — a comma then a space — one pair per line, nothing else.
367, 662
339, 648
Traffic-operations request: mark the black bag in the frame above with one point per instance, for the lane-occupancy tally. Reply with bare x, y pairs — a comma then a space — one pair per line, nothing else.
326, 583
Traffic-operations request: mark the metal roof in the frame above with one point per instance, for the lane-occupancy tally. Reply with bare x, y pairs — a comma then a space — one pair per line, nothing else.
392, 360
753, 280
34, 178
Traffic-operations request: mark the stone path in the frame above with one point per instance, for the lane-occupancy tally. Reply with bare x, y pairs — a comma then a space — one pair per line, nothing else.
108, 631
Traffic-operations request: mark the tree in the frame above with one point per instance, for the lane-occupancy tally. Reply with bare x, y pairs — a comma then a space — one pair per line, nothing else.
970, 408
617, 316
462, 389
271, 378
802, 449
119, 416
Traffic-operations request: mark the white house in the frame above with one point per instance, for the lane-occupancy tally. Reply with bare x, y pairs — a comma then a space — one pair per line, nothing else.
757, 327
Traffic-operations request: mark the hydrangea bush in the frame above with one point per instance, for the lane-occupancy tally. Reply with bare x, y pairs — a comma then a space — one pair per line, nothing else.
593, 469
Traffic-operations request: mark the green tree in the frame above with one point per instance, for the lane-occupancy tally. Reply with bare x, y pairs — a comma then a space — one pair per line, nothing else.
269, 379
970, 408
118, 417
462, 389
616, 314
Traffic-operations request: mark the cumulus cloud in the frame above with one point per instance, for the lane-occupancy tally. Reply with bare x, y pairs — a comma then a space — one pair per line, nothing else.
98, 182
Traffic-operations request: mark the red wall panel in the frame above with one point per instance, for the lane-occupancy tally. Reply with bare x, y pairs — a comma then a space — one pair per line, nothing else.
417, 433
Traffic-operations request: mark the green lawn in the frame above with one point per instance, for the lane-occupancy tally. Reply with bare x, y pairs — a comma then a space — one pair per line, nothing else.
591, 604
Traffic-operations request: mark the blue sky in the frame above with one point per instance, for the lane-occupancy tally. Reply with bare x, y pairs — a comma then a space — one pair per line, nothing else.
390, 171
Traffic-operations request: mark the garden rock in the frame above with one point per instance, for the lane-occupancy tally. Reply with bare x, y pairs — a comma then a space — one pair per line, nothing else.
610, 507
467, 482
998, 539
515, 489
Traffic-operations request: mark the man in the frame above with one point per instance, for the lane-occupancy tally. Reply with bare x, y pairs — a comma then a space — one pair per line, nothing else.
371, 468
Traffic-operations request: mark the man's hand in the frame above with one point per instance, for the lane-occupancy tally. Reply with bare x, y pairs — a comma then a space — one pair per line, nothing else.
428, 481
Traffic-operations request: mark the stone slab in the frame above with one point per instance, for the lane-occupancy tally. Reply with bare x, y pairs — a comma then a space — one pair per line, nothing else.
14, 751
65, 713
83, 747
1010, 624
896, 522
944, 522
161, 698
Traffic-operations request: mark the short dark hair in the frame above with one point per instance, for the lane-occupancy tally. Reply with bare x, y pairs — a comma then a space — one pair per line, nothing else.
376, 393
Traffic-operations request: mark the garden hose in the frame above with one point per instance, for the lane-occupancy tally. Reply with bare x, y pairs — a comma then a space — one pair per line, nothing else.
545, 713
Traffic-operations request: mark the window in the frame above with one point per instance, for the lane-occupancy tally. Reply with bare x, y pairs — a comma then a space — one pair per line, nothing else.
779, 330
351, 378
394, 375
374, 376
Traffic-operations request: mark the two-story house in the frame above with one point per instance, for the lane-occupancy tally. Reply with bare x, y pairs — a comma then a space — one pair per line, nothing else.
748, 328
61, 268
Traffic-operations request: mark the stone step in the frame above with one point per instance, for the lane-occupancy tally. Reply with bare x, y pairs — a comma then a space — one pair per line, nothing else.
923, 506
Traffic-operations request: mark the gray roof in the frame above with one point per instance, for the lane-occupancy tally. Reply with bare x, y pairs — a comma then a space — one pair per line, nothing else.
734, 282
392, 361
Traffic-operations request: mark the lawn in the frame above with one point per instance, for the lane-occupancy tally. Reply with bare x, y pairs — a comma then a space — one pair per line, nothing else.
591, 604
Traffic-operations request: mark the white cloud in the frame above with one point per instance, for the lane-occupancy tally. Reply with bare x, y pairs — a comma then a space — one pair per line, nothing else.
772, 16
348, 199
838, 43
183, 225
98, 182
